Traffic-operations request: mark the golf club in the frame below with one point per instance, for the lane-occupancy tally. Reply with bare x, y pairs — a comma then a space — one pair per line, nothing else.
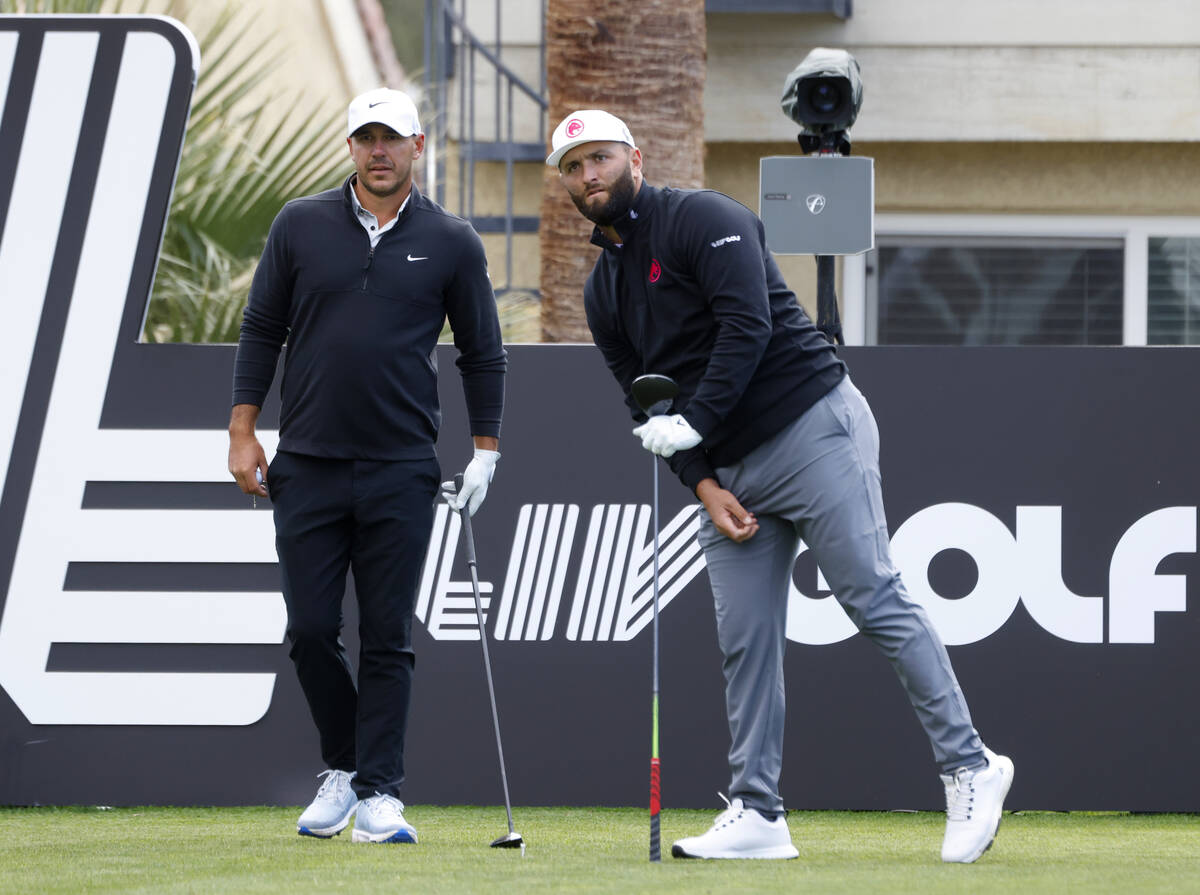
654, 394
512, 839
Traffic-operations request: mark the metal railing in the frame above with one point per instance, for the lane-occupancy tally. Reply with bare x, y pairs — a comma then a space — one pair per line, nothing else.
454, 53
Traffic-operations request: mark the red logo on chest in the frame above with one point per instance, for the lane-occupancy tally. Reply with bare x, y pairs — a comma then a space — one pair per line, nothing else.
655, 270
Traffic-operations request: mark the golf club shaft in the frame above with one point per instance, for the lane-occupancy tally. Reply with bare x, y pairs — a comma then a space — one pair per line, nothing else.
465, 515
655, 784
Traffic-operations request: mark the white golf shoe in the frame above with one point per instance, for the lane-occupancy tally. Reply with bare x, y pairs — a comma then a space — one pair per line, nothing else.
332, 809
381, 819
739, 832
974, 800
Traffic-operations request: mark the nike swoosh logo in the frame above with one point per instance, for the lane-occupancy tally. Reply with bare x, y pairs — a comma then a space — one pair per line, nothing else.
380, 103
422, 258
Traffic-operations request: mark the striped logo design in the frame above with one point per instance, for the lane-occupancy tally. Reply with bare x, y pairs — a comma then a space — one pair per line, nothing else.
94, 110
613, 595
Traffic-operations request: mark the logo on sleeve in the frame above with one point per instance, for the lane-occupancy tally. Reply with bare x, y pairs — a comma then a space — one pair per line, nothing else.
655, 270
724, 239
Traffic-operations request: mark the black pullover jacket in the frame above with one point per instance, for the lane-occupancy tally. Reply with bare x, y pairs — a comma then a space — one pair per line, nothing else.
693, 293
361, 324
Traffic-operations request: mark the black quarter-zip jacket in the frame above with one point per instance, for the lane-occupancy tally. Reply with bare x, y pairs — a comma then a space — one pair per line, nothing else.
693, 293
361, 325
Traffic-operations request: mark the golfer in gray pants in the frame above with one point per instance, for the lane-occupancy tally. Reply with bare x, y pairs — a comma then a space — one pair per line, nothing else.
818, 481
779, 446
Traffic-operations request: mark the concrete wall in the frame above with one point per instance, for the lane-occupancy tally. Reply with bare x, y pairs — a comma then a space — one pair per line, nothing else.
949, 70
1000, 178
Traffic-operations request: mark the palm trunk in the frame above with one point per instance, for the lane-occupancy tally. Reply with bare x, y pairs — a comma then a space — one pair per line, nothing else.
643, 61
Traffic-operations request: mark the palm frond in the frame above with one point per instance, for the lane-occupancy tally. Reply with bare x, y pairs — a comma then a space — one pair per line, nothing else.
241, 162
34, 7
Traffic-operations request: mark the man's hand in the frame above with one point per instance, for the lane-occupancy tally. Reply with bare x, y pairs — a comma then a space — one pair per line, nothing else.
730, 517
664, 435
247, 459
476, 478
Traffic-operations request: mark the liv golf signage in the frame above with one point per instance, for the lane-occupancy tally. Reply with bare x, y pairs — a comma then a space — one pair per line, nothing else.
1042, 505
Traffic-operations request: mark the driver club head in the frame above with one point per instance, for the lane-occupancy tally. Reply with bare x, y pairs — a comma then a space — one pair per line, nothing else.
654, 393
510, 839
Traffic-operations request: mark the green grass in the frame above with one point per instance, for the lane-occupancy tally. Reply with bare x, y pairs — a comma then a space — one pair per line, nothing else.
579, 850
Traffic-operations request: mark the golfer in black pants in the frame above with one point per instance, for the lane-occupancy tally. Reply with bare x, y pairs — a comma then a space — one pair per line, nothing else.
359, 281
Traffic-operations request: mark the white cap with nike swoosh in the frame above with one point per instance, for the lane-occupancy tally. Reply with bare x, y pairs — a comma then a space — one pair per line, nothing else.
384, 106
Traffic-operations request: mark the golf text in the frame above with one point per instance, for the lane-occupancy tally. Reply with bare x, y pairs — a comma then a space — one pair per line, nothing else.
606, 547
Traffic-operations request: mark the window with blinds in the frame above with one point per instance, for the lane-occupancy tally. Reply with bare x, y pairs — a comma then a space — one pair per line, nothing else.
1173, 291
995, 291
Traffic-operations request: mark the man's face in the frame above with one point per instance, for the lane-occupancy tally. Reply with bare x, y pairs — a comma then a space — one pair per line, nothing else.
602, 179
383, 158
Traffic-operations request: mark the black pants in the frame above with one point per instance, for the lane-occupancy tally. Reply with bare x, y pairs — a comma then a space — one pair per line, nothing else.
374, 518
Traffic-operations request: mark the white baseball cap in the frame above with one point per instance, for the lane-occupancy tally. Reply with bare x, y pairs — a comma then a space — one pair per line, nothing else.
384, 106
586, 126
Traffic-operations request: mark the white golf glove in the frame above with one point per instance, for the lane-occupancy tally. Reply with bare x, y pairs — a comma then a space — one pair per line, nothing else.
664, 435
476, 478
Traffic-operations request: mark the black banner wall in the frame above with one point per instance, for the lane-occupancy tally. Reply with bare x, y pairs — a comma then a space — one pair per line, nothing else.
1039, 500
1042, 504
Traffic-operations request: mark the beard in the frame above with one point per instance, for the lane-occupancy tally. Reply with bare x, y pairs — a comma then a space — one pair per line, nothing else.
620, 199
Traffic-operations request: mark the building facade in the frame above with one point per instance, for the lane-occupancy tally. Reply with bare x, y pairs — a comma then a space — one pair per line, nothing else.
1034, 161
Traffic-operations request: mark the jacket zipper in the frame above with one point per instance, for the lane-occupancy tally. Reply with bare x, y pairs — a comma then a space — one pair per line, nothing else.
367, 267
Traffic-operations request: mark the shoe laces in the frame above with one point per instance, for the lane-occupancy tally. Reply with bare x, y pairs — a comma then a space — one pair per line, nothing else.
730, 814
385, 805
960, 795
335, 787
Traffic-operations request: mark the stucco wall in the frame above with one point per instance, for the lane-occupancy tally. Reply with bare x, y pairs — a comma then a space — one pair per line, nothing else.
1000, 178
955, 70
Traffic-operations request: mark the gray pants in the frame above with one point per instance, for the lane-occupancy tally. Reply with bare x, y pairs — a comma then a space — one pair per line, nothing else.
818, 480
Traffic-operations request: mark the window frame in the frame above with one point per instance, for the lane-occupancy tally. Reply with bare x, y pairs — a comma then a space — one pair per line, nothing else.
1133, 231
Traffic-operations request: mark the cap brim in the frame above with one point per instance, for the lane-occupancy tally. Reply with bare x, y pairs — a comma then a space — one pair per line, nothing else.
556, 156
401, 131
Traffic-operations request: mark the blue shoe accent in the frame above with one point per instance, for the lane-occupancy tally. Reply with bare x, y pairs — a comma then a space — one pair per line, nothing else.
332, 809
381, 819
305, 831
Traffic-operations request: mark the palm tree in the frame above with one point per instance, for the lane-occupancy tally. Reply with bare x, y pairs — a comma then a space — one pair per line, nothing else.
644, 61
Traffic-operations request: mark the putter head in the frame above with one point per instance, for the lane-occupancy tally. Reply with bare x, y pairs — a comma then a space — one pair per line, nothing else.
510, 840
654, 393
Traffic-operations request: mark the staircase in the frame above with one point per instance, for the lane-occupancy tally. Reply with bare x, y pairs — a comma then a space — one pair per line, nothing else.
486, 128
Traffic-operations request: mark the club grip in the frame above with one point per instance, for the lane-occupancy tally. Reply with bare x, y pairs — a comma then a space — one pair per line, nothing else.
655, 807
458, 483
